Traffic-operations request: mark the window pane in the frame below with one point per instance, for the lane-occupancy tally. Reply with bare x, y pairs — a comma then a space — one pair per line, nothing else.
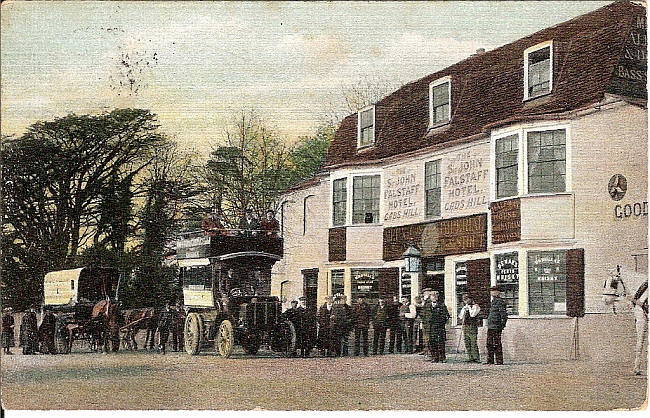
546, 163
339, 202
440, 103
507, 277
338, 285
539, 74
460, 274
432, 188
547, 282
365, 282
507, 166
365, 199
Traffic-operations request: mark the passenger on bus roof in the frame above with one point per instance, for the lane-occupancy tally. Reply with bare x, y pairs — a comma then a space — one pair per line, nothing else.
270, 225
249, 225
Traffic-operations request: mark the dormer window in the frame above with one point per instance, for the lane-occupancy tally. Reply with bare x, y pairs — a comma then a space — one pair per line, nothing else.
366, 124
538, 70
439, 102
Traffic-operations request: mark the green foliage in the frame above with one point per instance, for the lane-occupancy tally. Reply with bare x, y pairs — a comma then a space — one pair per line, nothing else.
255, 165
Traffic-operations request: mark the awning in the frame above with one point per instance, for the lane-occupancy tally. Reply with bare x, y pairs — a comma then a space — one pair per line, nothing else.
192, 262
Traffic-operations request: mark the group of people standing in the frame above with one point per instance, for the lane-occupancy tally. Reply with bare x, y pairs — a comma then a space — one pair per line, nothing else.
418, 327
32, 337
249, 225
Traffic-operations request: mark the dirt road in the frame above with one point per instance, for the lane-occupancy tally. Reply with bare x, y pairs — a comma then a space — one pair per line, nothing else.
145, 380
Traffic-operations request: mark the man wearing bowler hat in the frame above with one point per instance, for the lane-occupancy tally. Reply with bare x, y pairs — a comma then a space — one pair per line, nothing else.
496, 322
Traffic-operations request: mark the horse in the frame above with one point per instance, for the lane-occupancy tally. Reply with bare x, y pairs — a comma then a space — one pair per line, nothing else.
106, 325
136, 320
616, 289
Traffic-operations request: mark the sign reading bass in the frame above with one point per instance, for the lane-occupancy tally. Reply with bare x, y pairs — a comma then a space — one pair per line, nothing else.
463, 235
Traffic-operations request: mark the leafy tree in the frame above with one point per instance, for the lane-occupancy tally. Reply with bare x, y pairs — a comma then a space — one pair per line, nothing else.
67, 184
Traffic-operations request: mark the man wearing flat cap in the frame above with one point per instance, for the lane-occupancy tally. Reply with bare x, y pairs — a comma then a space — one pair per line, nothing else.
496, 322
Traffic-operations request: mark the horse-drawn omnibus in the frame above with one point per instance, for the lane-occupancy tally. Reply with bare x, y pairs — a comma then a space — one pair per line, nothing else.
84, 303
226, 290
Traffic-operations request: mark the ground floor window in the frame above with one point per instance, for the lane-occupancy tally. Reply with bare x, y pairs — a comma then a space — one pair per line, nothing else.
366, 282
547, 282
435, 275
460, 276
507, 278
338, 282
196, 277
405, 283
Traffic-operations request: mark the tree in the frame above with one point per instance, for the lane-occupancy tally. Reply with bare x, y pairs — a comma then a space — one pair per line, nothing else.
67, 183
248, 170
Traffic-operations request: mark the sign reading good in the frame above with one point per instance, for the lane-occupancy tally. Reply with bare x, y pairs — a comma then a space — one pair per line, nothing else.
465, 182
402, 190
506, 221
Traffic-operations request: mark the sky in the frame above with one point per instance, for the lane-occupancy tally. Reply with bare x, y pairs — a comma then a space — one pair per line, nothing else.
197, 64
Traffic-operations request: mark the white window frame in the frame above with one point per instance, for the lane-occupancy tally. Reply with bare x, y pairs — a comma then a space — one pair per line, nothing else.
567, 158
331, 202
374, 127
522, 176
351, 197
527, 52
433, 84
424, 192
349, 176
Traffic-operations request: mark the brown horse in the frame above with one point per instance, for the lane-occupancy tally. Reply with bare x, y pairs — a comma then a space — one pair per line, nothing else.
106, 321
136, 320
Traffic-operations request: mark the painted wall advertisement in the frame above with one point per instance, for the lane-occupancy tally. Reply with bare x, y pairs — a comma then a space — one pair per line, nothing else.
465, 182
403, 195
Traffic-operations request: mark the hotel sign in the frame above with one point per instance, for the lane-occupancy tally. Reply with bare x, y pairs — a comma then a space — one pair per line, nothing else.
506, 221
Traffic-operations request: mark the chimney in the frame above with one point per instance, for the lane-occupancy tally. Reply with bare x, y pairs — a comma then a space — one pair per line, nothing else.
480, 51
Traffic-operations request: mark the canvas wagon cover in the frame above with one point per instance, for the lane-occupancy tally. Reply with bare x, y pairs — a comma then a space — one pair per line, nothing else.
60, 287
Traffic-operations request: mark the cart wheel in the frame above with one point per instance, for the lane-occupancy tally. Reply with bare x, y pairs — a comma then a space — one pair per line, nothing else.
287, 338
252, 344
193, 333
225, 339
62, 337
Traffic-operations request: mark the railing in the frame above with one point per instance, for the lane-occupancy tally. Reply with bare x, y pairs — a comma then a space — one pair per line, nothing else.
200, 243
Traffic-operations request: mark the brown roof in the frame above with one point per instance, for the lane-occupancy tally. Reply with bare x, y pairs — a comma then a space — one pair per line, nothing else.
488, 88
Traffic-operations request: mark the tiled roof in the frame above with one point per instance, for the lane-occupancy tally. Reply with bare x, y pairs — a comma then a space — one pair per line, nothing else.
488, 88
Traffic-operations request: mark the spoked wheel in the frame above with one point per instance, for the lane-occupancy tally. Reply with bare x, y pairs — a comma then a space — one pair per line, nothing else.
62, 337
192, 333
252, 344
287, 339
225, 339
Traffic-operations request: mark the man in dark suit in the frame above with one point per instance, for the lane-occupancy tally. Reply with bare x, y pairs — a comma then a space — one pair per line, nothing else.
269, 225
249, 225
338, 325
496, 322
46, 331
438, 336
323, 319
379, 322
361, 313
395, 339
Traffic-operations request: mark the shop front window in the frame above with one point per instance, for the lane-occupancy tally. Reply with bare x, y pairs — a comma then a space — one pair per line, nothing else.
338, 282
366, 282
405, 285
460, 276
507, 278
547, 282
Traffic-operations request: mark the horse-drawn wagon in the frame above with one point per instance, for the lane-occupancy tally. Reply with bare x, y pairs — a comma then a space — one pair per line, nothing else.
226, 291
81, 301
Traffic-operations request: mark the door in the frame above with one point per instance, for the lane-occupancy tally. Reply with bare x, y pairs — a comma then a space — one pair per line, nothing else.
478, 283
310, 288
